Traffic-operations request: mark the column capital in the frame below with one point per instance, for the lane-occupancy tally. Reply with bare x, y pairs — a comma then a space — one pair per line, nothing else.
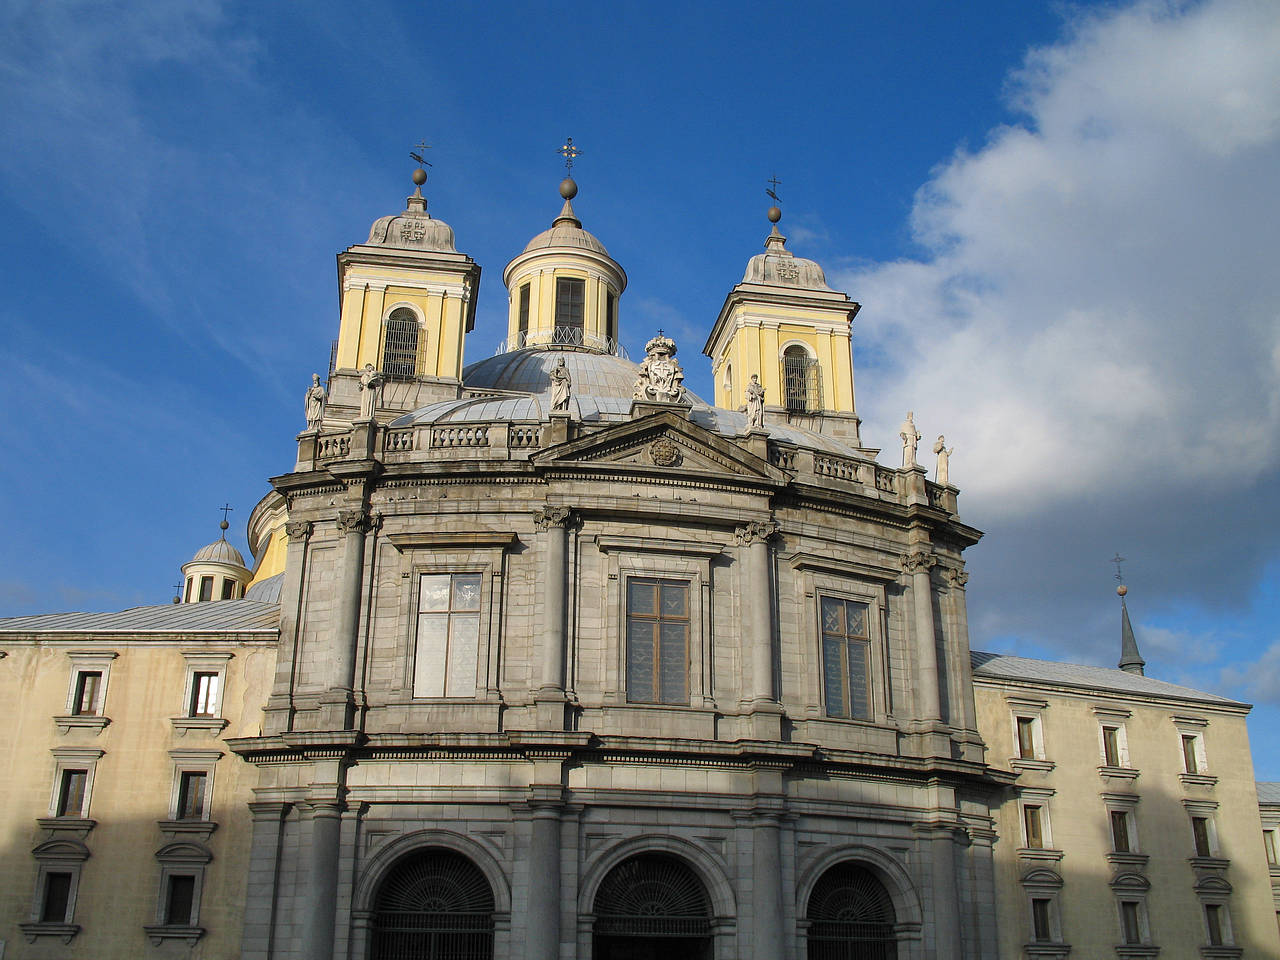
298, 529
918, 561
957, 577
359, 520
755, 531
547, 517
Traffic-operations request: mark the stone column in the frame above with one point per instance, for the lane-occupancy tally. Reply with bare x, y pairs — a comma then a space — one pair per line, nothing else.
340, 700
555, 522
757, 606
928, 703
946, 913
766, 888
260, 892
542, 935
317, 900
279, 710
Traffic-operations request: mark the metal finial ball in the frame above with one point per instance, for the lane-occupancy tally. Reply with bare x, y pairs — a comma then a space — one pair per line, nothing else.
223, 525
774, 214
419, 176
568, 189
1121, 590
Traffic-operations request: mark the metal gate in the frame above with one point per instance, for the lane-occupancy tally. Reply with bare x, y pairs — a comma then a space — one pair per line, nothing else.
652, 905
433, 905
802, 383
851, 916
400, 345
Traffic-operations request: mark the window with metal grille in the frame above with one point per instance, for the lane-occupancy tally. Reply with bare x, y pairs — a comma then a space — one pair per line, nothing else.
448, 645
801, 381
571, 298
88, 686
400, 345
657, 640
846, 652
433, 905
652, 895
851, 916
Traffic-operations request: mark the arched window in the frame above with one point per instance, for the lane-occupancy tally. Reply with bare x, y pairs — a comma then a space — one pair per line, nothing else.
400, 345
850, 916
802, 384
652, 907
434, 904
728, 383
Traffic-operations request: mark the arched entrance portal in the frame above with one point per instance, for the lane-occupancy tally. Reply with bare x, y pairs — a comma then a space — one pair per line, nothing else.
434, 904
652, 907
851, 916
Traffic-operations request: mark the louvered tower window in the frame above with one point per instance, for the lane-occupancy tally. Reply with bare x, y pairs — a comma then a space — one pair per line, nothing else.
400, 345
851, 916
801, 380
434, 905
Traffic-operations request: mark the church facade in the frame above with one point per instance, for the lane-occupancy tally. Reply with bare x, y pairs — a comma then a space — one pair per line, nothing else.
547, 657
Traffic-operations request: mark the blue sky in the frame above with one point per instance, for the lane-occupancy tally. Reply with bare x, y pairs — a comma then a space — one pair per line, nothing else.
1061, 221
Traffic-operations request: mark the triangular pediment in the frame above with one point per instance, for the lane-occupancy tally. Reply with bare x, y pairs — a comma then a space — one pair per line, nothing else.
661, 443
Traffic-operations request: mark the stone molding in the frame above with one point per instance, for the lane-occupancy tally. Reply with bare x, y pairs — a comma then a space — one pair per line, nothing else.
918, 561
547, 517
755, 531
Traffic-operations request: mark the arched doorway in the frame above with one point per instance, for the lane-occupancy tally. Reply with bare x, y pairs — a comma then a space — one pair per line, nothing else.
850, 916
434, 904
652, 907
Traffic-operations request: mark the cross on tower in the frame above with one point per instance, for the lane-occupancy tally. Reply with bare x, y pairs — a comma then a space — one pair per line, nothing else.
417, 153
570, 154
225, 508
1117, 560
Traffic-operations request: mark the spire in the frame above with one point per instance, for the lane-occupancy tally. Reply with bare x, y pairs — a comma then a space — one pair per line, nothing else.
1130, 659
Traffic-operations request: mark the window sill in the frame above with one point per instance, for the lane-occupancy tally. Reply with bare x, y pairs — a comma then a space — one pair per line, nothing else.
1135, 951
1053, 951
63, 931
1138, 861
1221, 952
1047, 854
199, 830
77, 827
209, 725
1119, 773
1040, 766
159, 933
1197, 780
94, 724
1216, 864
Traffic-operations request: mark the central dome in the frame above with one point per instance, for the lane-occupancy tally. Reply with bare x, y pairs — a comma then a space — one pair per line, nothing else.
529, 371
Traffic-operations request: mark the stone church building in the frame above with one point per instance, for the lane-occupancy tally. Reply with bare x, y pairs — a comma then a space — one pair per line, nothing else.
545, 656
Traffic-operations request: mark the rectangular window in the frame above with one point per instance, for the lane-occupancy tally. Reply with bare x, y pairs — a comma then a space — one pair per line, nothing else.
71, 793
571, 295
522, 318
228, 586
179, 900
1027, 738
1120, 838
57, 898
206, 588
1132, 928
1189, 762
1034, 827
1213, 922
846, 654
611, 315
88, 687
1111, 746
188, 594
204, 695
1200, 831
192, 785
657, 640
1041, 931
1269, 844
448, 635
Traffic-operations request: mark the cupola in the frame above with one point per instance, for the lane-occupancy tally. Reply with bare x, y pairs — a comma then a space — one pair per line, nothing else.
785, 325
216, 572
564, 288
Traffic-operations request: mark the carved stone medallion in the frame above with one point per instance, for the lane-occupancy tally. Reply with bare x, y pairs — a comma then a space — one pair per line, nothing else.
664, 452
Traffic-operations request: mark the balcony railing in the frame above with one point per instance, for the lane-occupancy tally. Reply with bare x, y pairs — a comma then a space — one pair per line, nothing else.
562, 336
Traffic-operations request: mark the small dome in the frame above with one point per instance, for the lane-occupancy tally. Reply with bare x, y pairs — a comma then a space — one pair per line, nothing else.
219, 552
529, 371
779, 267
412, 230
566, 231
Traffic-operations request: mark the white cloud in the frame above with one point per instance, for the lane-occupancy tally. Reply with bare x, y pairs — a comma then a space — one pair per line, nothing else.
1259, 680
1099, 306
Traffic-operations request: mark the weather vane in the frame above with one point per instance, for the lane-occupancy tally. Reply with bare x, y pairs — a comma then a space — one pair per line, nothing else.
773, 184
570, 154
417, 153
1117, 560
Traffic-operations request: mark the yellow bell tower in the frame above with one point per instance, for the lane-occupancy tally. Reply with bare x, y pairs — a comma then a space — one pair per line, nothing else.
784, 325
407, 302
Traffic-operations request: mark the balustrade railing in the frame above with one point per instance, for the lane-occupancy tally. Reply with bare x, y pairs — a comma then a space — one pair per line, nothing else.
460, 437
562, 336
333, 446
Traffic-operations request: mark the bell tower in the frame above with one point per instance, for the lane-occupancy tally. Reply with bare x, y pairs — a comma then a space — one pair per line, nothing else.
784, 324
407, 302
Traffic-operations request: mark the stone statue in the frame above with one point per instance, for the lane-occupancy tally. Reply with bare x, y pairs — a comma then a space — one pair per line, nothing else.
561, 383
910, 437
370, 389
316, 398
944, 459
755, 404
661, 378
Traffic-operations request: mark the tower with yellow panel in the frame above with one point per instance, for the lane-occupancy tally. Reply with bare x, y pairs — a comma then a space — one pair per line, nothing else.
564, 288
407, 303
783, 324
